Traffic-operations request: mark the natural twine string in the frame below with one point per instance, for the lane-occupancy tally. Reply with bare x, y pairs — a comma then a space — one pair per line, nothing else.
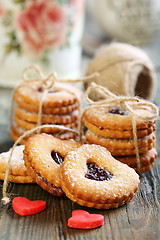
5, 199
130, 104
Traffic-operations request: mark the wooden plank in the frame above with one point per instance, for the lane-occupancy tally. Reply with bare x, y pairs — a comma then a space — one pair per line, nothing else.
137, 220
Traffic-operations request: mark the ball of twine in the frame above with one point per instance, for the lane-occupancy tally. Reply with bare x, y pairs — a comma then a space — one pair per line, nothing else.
124, 70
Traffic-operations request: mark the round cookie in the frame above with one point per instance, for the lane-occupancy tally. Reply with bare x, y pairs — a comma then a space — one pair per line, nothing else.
29, 125
122, 143
123, 151
46, 118
46, 110
145, 168
14, 136
60, 95
110, 133
116, 118
43, 155
114, 184
145, 159
16, 132
18, 171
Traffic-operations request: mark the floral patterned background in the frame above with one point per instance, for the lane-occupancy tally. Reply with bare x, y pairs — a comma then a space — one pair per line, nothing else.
35, 29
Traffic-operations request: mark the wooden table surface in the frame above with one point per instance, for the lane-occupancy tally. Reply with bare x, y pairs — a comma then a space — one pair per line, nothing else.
137, 220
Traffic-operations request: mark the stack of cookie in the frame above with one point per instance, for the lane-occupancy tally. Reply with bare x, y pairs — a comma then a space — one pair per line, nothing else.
60, 106
112, 128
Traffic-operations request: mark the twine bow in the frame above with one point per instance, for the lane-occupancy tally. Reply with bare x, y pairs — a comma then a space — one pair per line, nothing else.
127, 103
130, 104
40, 79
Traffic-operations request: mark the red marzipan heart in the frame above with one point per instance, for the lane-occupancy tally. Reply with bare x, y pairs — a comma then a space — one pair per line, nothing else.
83, 220
23, 206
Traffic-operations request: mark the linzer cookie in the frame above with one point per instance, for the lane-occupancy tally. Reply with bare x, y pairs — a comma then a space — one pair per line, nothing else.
123, 144
18, 171
115, 151
60, 95
91, 177
43, 156
48, 110
16, 132
110, 133
45, 101
116, 118
146, 158
46, 118
112, 127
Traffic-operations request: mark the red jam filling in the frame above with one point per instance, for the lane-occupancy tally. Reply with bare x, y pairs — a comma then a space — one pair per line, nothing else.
94, 172
118, 111
57, 157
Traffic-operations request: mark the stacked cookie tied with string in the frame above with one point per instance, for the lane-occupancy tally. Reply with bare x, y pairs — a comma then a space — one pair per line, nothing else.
125, 126
44, 101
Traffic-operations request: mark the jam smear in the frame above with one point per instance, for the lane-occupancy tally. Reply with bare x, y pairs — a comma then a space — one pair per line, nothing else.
94, 172
118, 111
40, 89
57, 157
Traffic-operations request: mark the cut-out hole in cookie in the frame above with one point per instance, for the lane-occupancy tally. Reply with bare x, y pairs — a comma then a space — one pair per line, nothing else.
118, 111
94, 172
57, 157
40, 89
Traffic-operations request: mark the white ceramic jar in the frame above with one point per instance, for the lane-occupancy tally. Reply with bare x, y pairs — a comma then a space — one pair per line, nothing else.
43, 32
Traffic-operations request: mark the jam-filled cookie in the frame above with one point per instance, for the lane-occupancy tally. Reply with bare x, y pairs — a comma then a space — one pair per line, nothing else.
16, 132
46, 110
43, 155
91, 177
32, 117
146, 159
116, 118
18, 171
114, 143
120, 149
61, 95
110, 133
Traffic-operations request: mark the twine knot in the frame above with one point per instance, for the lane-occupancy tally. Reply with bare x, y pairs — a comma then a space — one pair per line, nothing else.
130, 104
41, 81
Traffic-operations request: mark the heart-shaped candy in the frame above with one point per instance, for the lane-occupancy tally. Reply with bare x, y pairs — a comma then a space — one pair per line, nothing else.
23, 206
83, 220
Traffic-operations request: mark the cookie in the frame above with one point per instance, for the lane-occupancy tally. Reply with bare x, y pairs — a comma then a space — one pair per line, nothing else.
145, 168
116, 118
18, 171
16, 132
46, 110
61, 95
115, 151
110, 133
14, 137
145, 158
29, 125
122, 143
46, 118
91, 177
43, 155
